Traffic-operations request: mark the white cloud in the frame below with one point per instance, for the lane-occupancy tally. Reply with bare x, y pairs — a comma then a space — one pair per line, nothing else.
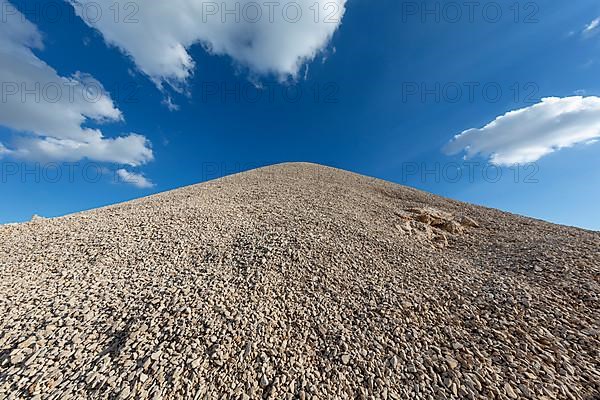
48, 112
3, 150
168, 102
268, 39
591, 27
530, 133
137, 180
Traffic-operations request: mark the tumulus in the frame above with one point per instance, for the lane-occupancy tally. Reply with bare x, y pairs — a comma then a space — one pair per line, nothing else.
298, 281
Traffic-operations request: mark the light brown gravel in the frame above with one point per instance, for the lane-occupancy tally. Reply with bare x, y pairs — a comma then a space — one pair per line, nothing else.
298, 281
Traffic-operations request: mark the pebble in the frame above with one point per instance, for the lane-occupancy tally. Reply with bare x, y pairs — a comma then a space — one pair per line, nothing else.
509, 391
452, 363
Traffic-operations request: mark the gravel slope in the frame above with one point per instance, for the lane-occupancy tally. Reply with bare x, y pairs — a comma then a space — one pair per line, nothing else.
298, 281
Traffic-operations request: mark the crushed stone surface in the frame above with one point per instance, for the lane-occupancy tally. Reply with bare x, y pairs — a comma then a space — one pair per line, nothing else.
298, 281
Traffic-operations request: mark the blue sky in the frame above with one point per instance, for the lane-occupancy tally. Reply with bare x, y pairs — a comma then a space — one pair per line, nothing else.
380, 89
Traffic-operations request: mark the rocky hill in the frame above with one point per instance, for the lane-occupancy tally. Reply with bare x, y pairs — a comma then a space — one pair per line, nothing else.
298, 281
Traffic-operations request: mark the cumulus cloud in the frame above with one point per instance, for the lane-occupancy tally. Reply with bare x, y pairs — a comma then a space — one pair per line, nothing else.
48, 112
528, 134
267, 37
137, 180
